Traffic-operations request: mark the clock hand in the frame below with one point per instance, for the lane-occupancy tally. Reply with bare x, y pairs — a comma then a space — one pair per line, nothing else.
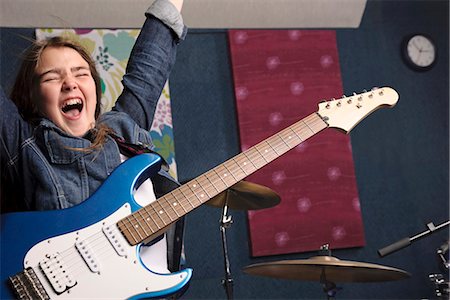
415, 45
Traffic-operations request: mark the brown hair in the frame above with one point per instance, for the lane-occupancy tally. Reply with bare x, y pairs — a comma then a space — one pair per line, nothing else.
24, 91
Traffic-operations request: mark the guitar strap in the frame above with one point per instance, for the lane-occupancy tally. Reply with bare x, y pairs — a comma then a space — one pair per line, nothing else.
175, 233
130, 150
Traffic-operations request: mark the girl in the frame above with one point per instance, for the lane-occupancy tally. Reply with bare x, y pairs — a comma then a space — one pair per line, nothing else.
55, 148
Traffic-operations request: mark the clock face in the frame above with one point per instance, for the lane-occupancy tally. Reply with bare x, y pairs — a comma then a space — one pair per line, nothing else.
420, 52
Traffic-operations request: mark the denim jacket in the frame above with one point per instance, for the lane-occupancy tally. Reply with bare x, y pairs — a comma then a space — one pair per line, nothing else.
40, 172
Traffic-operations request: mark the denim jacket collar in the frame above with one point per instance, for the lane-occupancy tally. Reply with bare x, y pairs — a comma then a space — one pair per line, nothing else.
61, 147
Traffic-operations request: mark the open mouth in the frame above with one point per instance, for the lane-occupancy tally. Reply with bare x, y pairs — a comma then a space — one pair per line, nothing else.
72, 106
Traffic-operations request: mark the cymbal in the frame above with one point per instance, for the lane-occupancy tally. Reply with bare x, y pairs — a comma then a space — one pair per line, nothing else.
246, 195
332, 268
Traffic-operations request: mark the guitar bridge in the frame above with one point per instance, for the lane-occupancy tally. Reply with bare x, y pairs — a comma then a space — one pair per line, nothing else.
27, 286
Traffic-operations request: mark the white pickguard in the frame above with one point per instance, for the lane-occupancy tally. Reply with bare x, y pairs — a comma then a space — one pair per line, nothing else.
110, 275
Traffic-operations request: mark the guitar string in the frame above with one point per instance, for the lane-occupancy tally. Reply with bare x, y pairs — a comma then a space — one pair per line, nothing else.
208, 187
303, 124
174, 195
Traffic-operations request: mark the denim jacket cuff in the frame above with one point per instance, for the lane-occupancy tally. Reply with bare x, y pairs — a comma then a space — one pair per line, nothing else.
167, 13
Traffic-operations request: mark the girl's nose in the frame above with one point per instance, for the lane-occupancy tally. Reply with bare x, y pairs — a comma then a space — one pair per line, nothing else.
69, 84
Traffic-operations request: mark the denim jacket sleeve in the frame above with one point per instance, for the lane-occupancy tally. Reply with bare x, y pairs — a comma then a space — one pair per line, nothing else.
13, 130
150, 63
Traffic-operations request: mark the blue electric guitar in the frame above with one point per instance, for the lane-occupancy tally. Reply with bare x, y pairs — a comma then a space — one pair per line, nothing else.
92, 250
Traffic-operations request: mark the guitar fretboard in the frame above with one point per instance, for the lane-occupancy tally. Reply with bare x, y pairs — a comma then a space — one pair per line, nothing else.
152, 219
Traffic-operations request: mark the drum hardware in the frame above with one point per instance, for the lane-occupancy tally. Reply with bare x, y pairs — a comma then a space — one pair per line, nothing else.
327, 270
241, 196
330, 288
441, 286
442, 252
441, 283
225, 223
407, 241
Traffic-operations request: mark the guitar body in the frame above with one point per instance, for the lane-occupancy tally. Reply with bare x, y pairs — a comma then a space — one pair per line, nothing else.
78, 252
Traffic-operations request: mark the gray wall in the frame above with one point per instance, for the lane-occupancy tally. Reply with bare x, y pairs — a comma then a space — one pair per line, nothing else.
400, 155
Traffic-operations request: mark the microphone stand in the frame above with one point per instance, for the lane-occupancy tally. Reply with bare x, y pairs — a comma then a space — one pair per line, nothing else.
407, 241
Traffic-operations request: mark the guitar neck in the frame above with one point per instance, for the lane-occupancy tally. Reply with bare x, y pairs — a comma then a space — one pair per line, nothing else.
151, 220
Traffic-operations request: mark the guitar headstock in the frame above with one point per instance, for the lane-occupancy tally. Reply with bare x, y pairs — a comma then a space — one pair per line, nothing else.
345, 113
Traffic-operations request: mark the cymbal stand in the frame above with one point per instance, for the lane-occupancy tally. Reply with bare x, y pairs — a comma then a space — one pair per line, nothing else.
329, 287
225, 223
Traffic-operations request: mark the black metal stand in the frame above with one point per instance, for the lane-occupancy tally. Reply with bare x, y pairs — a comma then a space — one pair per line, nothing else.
407, 241
225, 223
329, 287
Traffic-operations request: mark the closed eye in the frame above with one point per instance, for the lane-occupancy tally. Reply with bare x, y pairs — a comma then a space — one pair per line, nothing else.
50, 79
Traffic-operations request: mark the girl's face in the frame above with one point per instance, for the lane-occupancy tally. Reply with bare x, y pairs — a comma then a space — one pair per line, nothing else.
67, 92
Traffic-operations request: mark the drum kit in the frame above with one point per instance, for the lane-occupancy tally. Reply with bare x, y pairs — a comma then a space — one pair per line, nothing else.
323, 268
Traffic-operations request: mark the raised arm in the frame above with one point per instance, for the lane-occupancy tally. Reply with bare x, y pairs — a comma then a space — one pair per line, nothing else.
151, 61
13, 129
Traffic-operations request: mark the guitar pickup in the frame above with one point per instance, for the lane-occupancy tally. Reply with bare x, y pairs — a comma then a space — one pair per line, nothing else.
116, 239
57, 274
88, 256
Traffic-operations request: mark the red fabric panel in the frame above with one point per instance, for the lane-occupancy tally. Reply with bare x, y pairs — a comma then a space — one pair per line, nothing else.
280, 76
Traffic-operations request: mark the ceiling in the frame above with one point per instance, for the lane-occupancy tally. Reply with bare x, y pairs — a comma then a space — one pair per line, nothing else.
211, 14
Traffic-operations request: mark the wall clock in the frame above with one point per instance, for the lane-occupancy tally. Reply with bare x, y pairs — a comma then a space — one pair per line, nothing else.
419, 52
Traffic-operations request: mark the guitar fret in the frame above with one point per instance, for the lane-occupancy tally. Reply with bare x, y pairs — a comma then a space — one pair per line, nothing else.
260, 154
174, 204
148, 221
240, 167
188, 198
177, 202
254, 156
226, 176
135, 225
312, 131
296, 140
125, 230
178, 195
145, 223
204, 188
275, 147
154, 212
303, 134
246, 163
162, 212
269, 152
235, 171
193, 187
213, 183
288, 147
